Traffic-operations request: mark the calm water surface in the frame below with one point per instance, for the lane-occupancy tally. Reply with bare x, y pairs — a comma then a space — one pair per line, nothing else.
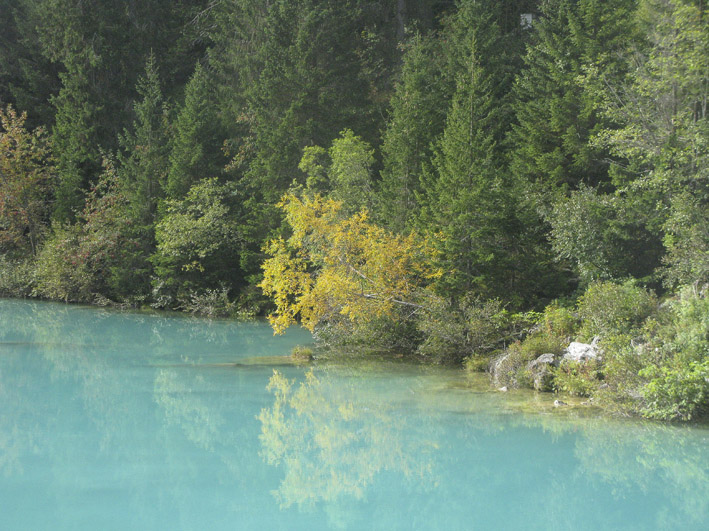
115, 420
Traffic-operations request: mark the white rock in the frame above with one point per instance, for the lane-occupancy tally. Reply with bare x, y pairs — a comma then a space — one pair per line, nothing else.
580, 352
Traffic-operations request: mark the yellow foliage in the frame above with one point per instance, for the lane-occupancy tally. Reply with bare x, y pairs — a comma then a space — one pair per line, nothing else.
334, 265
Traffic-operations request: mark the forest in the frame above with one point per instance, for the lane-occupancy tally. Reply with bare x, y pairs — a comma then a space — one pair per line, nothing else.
474, 182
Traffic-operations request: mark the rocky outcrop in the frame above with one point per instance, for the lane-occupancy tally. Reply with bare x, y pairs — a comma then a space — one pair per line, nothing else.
499, 370
581, 352
510, 371
541, 371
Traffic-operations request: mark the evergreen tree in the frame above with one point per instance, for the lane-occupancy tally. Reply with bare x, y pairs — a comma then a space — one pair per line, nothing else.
144, 158
557, 115
101, 46
309, 88
27, 78
141, 177
74, 142
416, 119
300, 81
196, 147
465, 197
429, 76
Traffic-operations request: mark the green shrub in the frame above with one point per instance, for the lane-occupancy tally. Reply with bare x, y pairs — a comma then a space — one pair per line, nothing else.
209, 302
607, 308
676, 392
510, 368
686, 241
16, 277
477, 363
535, 345
659, 370
603, 235
550, 335
302, 354
688, 327
61, 273
396, 333
470, 329
558, 321
578, 378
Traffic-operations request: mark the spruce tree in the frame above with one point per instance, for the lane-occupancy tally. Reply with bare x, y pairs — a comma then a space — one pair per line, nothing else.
145, 147
27, 78
196, 147
100, 47
73, 140
556, 110
429, 76
417, 118
465, 200
141, 177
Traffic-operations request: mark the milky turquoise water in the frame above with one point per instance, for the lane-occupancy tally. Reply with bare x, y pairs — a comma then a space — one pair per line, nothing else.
113, 420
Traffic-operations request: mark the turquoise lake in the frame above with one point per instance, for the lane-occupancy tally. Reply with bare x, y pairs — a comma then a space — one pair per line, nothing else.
119, 420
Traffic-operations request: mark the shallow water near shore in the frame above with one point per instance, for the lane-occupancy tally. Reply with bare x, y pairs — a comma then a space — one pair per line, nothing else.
120, 420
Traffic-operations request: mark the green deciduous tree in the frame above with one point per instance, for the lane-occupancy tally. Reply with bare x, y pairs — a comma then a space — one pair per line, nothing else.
344, 171
662, 107
604, 235
198, 243
663, 131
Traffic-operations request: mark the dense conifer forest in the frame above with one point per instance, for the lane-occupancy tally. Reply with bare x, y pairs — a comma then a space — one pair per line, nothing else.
474, 181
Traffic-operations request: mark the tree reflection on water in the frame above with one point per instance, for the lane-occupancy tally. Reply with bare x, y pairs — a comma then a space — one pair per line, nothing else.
333, 441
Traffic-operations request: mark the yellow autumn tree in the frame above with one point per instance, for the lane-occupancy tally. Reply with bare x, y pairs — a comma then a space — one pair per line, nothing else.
334, 266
